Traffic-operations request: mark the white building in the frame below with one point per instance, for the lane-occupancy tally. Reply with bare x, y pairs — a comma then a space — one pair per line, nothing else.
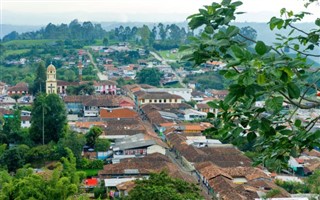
185, 93
191, 114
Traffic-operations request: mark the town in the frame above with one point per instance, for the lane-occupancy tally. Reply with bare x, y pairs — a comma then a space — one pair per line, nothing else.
133, 113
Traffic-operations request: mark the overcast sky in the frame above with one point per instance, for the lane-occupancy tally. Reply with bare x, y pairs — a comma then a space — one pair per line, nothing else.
41, 12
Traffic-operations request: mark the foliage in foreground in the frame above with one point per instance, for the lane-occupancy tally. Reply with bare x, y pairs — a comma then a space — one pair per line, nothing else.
266, 73
61, 183
162, 187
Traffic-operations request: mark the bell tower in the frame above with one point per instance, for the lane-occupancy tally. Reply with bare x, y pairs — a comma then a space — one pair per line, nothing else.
51, 83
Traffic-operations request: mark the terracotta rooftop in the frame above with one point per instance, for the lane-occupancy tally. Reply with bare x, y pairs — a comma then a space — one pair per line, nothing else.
152, 163
155, 95
87, 125
221, 156
19, 87
118, 113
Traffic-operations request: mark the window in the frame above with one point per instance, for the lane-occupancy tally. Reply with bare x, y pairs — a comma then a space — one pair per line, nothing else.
160, 101
165, 101
142, 100
176, 100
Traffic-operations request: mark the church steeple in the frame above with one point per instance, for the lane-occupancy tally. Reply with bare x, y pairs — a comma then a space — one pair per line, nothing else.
51, 83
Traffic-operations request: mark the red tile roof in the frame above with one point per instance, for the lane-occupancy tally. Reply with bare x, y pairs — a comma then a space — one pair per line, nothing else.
118, 113
91, 182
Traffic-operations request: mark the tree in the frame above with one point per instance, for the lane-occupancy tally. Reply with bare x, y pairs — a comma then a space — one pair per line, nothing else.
74, 141
93, 135
69, 75
145, 34
105, 41
265, 73
39, 84
161, 186
151, 76
102, 145
48, 112
250, 34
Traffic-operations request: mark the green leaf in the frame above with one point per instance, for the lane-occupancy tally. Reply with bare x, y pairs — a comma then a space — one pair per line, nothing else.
297, 123
184, 47
261, 48
237, 51
251, 136
232, 31
261, 79
209, 29
317, 22
226, 2
233, 63
293, 90
230, 74
274, 104
236, 3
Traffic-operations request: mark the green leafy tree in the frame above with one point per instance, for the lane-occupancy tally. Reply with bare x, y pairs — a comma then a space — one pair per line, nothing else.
145, 35
249, 33
93, 135
14, 158
12, 128
265, 73
102, 145
151, 76
39, 84
74, 141
162, 187
48, 112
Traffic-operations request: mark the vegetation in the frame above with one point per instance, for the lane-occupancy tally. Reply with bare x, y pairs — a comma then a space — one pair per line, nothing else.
48, 119
162, 186
265, 73
92, 136
60, 183
151, 76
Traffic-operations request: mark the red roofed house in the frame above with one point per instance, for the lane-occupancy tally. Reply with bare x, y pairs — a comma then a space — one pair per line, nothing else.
118, 113
20, 88
91, 182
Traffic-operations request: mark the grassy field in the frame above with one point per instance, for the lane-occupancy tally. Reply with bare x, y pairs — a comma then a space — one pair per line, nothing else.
90, 172
15, 52
28, 43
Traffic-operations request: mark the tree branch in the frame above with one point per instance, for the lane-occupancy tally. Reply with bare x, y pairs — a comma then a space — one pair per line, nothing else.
298, 29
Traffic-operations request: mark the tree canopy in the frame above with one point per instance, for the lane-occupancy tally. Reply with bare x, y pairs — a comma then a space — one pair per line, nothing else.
48, 113
151, 76
265, 73
162, 187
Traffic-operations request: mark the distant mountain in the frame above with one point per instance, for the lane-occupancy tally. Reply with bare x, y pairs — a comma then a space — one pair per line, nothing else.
8, 28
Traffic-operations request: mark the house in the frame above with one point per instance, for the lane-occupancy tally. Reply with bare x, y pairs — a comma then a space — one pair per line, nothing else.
128, 90
122, 127
236, 182
20, 89
6, 113
218, 94
3, 88
116, 113
25, 119
84, 127
185, 93
92, 105
203, 107
191, 114
105, 87
138, 167
222, 155
63, 85
142, 97
131, 146
74, 104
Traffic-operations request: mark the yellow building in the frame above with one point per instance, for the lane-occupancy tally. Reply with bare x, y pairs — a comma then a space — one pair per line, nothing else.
51, 83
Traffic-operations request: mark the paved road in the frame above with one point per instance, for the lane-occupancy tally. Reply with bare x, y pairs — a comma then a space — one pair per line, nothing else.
101, 76
165, 62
